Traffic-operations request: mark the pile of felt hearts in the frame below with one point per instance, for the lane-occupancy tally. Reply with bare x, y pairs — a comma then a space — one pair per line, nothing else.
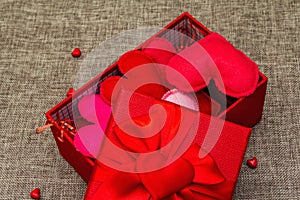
173, 76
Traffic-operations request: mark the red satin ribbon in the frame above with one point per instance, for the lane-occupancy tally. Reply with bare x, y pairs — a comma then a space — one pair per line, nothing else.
188, 178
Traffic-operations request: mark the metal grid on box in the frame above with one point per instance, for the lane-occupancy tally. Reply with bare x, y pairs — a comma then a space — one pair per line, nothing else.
69, 110
181, 35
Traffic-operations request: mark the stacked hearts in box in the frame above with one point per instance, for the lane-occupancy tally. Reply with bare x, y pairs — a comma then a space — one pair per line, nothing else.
169, 120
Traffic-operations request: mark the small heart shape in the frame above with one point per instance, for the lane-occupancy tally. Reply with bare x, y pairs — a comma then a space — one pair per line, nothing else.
252, 162
70, 92
35, 194
76, 52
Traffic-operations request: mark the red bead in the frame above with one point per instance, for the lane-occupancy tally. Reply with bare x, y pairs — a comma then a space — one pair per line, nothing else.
76, 52
70, 92
252, 162
35, 194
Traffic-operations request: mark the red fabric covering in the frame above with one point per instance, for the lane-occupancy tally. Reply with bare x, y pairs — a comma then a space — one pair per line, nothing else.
189, 177
197, 64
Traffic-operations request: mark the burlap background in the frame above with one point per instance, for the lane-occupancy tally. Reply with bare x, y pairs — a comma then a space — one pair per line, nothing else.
37, 69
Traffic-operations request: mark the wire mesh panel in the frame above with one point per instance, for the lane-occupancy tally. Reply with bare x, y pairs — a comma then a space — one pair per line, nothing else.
70, 109
183, 34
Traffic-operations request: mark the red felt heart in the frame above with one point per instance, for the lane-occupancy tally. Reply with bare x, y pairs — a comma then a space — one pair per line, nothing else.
133, 59
76, 52
252, 162
107, 88
214, 58
35, 194
160, 49
70, 92
149, 76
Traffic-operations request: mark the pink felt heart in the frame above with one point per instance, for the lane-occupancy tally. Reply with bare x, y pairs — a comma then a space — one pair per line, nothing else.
79, 146
94, 109
88, 138
210, 57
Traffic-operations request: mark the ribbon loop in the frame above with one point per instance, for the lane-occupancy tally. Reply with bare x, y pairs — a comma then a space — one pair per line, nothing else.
167, 181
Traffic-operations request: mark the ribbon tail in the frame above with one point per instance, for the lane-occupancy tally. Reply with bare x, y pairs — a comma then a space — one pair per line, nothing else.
222, 191
208, 182
121, 186
206, 169
185, 193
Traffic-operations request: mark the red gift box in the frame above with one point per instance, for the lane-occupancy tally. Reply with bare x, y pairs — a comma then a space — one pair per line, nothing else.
246, 111
213, 176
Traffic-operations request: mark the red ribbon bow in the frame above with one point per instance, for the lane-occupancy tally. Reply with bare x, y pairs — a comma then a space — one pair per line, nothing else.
188, 178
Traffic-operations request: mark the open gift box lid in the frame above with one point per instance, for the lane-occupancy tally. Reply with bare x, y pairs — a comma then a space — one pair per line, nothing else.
220, 144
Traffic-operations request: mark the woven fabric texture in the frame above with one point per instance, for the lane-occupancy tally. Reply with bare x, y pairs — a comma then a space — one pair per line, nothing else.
36, 70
